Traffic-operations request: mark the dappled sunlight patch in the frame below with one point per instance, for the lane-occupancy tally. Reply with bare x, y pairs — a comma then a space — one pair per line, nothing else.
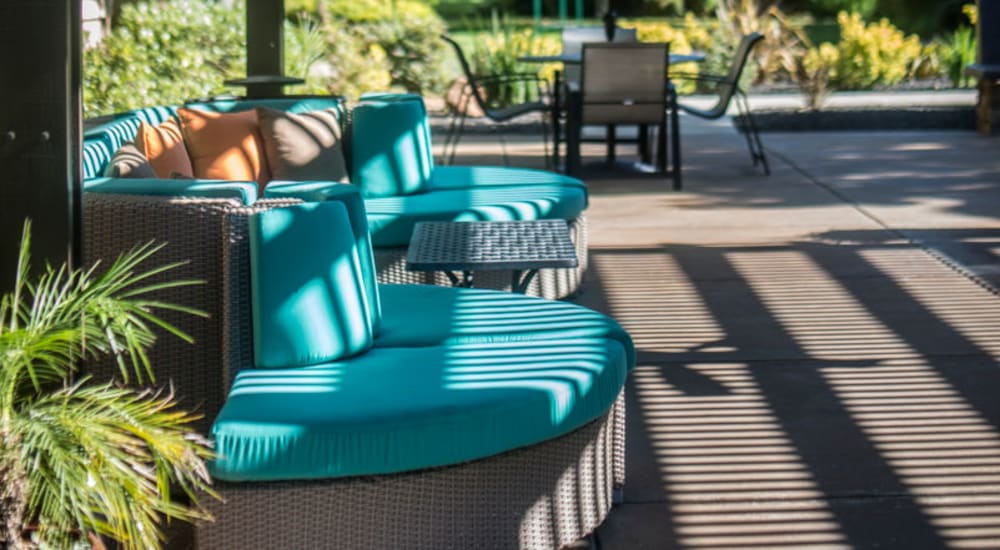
732, 475
971, 310
925, 146
815, 309
652, 298
940, 448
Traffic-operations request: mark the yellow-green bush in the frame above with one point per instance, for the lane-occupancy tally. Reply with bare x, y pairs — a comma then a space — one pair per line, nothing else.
662, 31
402, 36
873, 54
495, 53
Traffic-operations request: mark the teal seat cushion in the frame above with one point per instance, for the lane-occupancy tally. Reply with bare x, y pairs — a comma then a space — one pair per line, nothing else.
428, 315
391, 219
309, 300
462, 177
390, 148
402, 409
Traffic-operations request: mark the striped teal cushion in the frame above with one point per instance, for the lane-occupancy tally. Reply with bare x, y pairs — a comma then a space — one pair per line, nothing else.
310, 303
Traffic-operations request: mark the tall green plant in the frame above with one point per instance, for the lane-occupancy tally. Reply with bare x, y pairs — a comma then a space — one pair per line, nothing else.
79, 458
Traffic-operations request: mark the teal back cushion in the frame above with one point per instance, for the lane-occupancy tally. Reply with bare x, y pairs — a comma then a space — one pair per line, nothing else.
308, 289
350, 196
391, 146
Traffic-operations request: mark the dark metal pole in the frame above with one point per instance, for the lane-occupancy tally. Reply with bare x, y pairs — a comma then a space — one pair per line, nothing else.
265, 50
987, 68
40, 130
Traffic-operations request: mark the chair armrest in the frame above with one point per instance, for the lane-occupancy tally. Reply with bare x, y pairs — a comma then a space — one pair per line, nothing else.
245, 192
541, 83
696, 77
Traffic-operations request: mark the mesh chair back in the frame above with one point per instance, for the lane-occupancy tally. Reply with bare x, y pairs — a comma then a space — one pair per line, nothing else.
573, 39
731, 83
624, 83
474, 87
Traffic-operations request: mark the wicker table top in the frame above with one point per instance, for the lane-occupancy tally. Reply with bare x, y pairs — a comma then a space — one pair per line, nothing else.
523, 247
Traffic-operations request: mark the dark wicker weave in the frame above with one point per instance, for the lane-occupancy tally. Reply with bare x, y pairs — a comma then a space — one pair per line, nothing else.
550, 283
540, 497
544, 496
209, 235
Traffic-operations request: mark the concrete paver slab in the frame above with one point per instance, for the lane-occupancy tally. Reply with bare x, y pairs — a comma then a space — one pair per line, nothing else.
811, 373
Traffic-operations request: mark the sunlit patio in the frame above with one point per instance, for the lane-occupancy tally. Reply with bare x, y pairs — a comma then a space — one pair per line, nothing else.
818, 350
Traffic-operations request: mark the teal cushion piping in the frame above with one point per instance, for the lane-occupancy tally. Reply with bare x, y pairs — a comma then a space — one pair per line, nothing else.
350, 196
307, 287
390, 148
391, 219
462, 177
245, 192
403, 409
427, 315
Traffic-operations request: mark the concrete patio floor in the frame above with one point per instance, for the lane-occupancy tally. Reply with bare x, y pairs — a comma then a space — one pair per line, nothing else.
819, 350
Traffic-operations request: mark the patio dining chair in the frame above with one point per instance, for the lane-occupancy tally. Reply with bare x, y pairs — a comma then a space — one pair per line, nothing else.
573, 39
625, 83
476, 91
728, 88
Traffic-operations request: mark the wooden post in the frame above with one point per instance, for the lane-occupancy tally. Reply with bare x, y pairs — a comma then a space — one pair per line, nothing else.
987, 68
265, 50
40, 130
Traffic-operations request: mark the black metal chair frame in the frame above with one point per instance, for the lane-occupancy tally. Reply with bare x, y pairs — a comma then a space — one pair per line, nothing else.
473, 93
563, 83
577, 99
728, 88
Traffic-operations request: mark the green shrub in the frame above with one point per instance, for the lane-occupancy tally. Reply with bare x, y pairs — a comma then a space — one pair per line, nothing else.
958, 50
355, 65
164, 52
495, 54
406, 33
874, 54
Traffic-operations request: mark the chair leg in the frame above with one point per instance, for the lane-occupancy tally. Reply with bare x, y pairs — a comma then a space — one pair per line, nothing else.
458, 136
574, 113
675, 138
503, 146
661, 145
611, 137
749, 128
644, 155
455, 129
549, 160
448, 137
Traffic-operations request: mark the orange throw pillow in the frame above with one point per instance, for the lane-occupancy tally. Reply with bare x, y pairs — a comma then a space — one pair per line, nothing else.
225, 146
163, 146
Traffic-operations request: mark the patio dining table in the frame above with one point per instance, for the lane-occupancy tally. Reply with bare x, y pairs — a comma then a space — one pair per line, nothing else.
577, 59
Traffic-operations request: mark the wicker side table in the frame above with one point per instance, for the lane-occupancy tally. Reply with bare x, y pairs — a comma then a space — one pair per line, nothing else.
459, 248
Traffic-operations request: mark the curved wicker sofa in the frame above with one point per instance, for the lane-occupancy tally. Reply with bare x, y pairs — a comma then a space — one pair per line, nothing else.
536, 495
458, 193
539, 496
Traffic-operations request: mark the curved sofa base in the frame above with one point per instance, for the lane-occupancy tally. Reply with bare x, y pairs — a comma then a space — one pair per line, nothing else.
540, 497
553, 284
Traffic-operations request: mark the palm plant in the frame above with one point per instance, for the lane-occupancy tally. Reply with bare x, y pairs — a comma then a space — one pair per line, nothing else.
79, 459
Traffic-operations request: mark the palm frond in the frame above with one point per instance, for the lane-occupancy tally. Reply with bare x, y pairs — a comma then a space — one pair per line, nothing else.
98, 459
104, 459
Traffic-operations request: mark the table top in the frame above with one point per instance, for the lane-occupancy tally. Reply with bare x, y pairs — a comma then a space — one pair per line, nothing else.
490, 246
577, 58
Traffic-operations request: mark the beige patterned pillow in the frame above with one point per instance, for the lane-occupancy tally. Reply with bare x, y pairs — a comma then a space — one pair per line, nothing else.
303, 147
